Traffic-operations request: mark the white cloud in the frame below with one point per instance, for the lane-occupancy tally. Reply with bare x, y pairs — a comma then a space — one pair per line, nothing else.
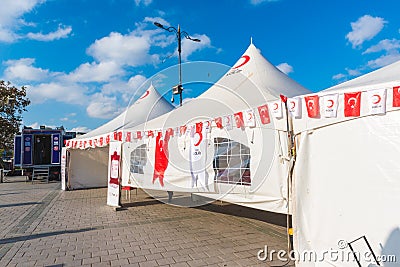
80, 129
384, 45
384, 60
285, 68
103, 107
126, 90
53, 91
61, 32
143, 2
10, 15
131, 49
339, 76
364, 29
95, 72
189, 47
23, 70
350, 73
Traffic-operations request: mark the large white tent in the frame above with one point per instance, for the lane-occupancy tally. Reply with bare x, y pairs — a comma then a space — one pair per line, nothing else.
246, 166
88, 154
347, 175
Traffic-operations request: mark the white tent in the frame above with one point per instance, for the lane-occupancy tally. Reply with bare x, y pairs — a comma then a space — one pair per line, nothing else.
347, 175
245, 166
88, 154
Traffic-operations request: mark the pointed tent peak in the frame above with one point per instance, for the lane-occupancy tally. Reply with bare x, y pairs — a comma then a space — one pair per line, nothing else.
265, 75
251, 40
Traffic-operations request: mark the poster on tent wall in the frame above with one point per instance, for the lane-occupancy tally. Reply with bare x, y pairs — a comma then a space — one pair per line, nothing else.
114, 173
197, 156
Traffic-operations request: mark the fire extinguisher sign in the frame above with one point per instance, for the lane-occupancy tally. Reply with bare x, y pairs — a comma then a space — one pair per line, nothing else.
114, 174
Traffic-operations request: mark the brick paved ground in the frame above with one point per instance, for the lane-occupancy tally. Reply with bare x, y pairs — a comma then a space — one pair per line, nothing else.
40, 225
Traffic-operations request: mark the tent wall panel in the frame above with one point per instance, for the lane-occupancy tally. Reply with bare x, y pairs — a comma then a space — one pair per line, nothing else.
347, 184
88, 168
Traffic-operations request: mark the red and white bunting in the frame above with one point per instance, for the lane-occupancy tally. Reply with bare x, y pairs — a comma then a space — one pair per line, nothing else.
294, 107
218, 122
264, 114
139, 135
276, 109
239, 119
150, 133
128, 137
182, 130
396, 96
228, 122
377, 101
249, 118
330, 105
312, 104
352, 104
207, 126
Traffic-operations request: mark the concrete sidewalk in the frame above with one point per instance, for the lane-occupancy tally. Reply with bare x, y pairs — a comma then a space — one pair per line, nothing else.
40, 225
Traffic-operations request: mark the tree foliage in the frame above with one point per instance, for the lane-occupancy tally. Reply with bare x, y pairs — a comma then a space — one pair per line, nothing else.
13, 102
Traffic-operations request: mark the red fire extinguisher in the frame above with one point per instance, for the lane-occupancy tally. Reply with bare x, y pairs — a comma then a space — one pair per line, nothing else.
114, 173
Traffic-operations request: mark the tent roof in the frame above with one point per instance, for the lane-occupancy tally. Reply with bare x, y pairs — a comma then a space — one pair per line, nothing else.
251, 82
149, 106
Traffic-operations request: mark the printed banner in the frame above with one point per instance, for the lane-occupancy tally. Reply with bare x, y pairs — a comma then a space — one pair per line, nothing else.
276, 109
249, 118
239, 119
161, 157
294, 107
352, 104
331, 105
377, 101
114, 172
396, 96
264, 114
312, 104
228, 122
198, 151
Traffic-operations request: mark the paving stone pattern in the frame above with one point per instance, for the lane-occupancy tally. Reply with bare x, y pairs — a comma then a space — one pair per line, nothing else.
40, 225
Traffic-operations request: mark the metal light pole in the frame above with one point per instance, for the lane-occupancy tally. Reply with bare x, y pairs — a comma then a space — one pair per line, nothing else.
177, 89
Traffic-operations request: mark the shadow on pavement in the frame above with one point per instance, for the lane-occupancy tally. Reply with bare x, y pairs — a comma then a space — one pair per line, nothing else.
19, 204
34, 236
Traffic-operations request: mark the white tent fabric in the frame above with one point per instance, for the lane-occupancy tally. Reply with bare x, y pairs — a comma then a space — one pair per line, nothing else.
88, 167
253, 81
346, 180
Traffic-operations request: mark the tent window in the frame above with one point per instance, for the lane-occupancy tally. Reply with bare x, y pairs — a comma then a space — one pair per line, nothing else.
231, 162
138, 159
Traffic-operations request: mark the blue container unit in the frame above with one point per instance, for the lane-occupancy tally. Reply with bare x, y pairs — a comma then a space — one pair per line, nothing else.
40, 148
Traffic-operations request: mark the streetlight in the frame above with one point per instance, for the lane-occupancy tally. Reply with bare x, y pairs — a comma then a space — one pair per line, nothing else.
177, 89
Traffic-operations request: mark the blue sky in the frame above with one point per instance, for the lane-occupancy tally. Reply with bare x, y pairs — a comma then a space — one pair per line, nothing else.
83, 60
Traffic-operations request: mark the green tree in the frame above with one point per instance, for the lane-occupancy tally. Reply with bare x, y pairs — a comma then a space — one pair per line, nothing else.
13, 102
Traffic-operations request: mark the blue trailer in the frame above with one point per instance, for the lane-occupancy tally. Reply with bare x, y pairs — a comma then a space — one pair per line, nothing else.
38, 152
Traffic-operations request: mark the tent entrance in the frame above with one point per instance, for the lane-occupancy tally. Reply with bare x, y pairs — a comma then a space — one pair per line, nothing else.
42, 149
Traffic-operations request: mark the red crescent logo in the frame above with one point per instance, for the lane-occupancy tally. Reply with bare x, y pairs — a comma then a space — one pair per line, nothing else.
332, 102
292, 104
201, 138
145, 94
246, 59
378, 97
276, 106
